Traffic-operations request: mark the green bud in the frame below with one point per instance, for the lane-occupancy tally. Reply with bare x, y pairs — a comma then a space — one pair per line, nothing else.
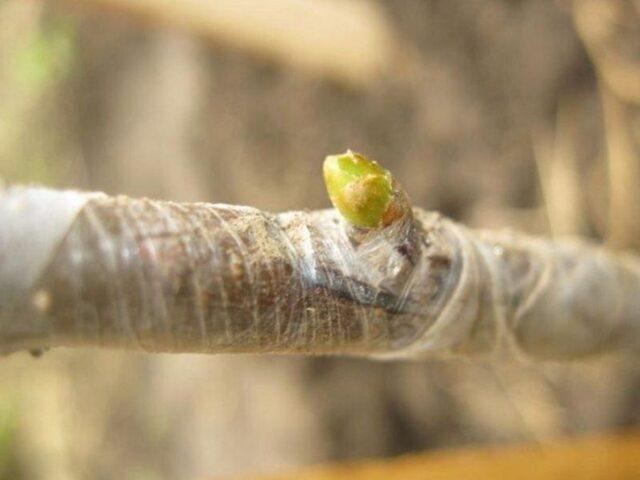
359, 188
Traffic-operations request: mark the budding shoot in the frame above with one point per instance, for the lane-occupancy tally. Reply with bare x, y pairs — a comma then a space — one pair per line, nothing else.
364, 193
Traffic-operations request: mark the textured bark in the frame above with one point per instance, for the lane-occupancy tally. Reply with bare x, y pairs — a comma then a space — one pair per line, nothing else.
171, 277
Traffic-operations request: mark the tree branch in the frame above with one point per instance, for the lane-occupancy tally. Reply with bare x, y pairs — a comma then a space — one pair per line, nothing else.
87, 269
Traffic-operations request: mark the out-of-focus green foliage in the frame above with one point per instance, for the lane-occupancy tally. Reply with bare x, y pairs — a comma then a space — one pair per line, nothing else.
45, 56
144, 473
36, 59
10, 467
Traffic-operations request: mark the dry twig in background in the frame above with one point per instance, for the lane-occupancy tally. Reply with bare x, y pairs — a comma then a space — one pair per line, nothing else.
347, 41
609, 30
596, 458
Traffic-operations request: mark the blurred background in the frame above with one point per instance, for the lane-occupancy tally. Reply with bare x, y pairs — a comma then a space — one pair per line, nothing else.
499, 113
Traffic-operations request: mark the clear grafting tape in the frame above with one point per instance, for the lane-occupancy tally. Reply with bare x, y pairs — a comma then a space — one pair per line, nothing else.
87, 269
33, 223
534, 299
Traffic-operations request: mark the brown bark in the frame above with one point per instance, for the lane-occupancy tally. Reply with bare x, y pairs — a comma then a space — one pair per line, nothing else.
172, 277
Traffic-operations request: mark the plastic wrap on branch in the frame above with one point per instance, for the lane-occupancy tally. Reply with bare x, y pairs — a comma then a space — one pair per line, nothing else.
117, 272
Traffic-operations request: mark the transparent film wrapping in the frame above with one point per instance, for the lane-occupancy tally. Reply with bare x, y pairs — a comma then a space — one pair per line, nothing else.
162, 276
